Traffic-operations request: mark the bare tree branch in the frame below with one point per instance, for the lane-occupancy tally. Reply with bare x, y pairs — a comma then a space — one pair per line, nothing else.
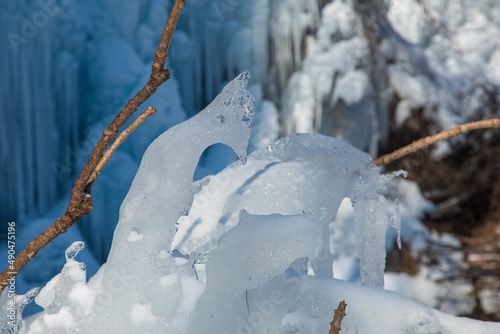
337, 318
427, 141
158, 76
80, 203
119, 140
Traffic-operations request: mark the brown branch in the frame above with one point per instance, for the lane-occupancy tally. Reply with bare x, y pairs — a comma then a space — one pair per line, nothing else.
337, 318
119, 140
427, 141
80, 203
166, 38
158, 76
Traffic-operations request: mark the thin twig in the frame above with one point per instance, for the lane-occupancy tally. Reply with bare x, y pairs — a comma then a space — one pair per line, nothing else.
427, 141
80, 203
158, 76
119, 140
337, 318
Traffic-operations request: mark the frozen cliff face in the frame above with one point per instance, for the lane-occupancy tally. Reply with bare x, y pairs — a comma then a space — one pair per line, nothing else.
39, 106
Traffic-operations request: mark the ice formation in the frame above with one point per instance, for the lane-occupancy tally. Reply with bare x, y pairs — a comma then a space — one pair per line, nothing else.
160, 194
256, 277
298, 176
74, 75
300, 173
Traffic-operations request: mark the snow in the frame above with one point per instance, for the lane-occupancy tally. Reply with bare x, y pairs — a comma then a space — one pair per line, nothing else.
60, 321
407, 17
65, 298
135, 236
333, 93
141, 314
454, 43
351, 87
418, 288
370, 310
82, 295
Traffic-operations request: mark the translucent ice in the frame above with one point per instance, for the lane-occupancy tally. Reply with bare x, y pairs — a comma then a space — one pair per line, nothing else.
302, 172
159, 195
246, 279
11, 309
278, 239
66, 299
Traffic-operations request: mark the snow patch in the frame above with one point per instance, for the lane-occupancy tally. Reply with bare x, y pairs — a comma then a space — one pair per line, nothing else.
142, 314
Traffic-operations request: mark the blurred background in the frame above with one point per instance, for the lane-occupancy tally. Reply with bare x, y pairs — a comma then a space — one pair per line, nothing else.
378, 74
